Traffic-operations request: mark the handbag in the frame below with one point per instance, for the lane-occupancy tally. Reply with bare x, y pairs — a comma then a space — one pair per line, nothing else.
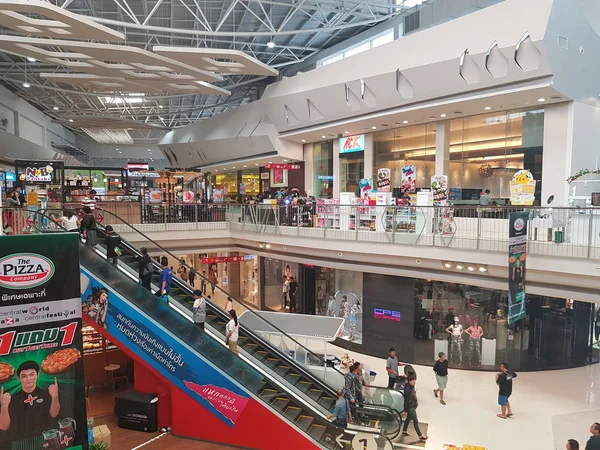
164, 299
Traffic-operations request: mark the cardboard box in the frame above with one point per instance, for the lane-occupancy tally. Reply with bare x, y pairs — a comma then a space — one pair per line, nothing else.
101, 434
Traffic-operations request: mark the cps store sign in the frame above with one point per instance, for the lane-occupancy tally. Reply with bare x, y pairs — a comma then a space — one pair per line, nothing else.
25, 270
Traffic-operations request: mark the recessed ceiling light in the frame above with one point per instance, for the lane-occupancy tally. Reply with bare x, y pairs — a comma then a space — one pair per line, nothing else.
405, 122
448, 265
471, 268
256, 164
460, 266
30, 59
487, 108
442, 115
116, 149
55, 108
26, 85
71, 120
271, 44
303, 140
270, 162
233, 167
373, 128
161, 106
432, 118
323, 137
224, 168
482, 269
346, 132
541, 100
245, 165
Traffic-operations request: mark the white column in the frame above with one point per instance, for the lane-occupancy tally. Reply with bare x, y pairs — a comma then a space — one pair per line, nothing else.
557, 153
442, 148
369, 157
336, 168
309, 170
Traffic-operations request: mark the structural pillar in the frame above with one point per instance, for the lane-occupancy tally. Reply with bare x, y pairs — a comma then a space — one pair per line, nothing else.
336, 168
309, 170
369, 158
442, 148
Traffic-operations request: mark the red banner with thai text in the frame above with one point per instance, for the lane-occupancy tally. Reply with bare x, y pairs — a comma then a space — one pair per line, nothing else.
283, 166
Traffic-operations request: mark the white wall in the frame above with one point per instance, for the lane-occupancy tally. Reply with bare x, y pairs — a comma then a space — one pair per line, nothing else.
309, 170
558, 147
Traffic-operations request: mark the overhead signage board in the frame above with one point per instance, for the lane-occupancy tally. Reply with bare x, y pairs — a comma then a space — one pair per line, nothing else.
350, 144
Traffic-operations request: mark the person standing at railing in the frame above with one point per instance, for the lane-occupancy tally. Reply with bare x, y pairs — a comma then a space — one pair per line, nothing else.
11, 200
485, 198
90, 200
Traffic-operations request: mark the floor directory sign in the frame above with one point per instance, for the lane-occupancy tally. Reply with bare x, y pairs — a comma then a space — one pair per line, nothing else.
517, 257
42, 393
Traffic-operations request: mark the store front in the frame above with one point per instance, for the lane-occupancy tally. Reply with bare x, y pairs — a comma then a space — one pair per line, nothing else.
323, 169
485, 152
237, 186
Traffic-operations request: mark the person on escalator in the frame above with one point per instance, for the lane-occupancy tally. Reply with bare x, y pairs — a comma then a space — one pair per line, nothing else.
350, 385
166, 277
232, 329
341, 411
145, 269
199, 309
88, 227
112, 241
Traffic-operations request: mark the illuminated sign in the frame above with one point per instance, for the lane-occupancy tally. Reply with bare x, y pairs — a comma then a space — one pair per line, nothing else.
37, 174
283, 166
387, 314
227, 259
351, 144
137, 166
10, 176
134, 173
325, 177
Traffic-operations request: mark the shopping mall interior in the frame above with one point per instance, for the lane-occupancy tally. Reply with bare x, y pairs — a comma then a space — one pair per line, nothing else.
305, 224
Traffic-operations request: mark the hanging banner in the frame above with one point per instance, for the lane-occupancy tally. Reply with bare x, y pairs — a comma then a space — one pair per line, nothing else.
383, 180
517, 256
226, 259
522, 188
166, 353
409, 179
283, 166
42, 390
439, 187
218, 195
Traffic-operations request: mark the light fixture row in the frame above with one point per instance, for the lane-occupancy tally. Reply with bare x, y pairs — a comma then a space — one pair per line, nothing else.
460, 266
264, 245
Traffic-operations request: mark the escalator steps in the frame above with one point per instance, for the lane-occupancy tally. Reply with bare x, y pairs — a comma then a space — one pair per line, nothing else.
326, 402
328, 441
315, 394
282, 370
272, 362
293, 378
280, 403
317, 431
267, 393
261, 354
304, 422
304, 386
292, 412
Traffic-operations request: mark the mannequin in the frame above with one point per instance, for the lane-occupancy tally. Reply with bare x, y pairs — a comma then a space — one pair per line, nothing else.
354, 313
475, 333
455, 331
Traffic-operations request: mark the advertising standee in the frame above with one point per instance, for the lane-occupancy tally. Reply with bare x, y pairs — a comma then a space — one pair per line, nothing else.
517, 258
42, 398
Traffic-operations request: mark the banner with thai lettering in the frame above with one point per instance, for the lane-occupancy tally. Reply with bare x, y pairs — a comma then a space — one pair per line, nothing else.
227, 259
42, 391
166, 353
283, 166
517, 258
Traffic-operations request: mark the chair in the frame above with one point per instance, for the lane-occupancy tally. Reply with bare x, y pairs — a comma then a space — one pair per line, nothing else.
122, 374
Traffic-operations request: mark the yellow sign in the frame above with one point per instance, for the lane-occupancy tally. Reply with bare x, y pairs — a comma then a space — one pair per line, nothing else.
32, 198
522, 188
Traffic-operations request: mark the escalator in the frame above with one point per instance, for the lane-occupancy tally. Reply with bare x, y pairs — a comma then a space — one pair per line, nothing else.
266, 373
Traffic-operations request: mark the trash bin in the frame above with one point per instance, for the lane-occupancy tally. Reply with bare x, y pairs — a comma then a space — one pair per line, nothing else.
137, 411
559, 237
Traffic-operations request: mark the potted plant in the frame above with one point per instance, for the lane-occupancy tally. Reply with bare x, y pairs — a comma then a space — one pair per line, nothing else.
98, 446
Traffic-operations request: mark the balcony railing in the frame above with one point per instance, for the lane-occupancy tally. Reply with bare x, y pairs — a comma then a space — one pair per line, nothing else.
559, 232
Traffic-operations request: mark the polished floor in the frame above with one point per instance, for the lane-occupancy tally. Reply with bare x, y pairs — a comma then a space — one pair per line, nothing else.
549, 407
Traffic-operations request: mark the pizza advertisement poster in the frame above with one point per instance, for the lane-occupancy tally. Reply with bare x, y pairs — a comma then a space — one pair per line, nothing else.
198, 373
42, 390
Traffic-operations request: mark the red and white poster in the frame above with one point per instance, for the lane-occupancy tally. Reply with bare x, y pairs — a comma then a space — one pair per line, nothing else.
226, 259
283, 166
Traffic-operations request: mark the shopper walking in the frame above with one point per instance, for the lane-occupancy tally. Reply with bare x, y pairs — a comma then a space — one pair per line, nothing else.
192, 277
391, 366
145, 269
441, 376
410, 405
112, 241
88, 227
203, 282
293, 289
572, 444
199, 309
212, 278
166, 278
504, 382
341, 411
594, 441
182, 271
232, 329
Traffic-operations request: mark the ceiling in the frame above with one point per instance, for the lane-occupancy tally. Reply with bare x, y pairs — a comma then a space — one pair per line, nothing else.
277, 33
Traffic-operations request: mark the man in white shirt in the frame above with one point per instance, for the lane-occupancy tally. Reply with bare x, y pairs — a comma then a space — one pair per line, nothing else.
90, 200
199, 309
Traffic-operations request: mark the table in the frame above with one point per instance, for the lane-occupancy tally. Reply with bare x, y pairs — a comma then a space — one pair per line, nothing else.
111, 368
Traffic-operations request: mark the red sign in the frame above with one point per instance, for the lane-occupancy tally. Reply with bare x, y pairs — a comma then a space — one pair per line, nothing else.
223, 259
283, 166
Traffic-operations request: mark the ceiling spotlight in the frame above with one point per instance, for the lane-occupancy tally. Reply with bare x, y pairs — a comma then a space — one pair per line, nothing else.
448, 265
303, 140
26, 85
323, 137
270, 162
285, 160
271, 44
405, 122
55, 108
460, 266
71, 120
161, 106
233, 167
245, 165
256, 164
487, 108
442, 115
471, 268
346, 132
541, 100
30, 59
268, 246
482, 269
373, 128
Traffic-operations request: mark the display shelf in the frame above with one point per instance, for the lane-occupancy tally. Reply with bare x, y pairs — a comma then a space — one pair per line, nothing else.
93, 342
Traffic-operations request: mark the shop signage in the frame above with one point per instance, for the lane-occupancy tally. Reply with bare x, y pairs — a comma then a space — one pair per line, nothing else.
41, 366
325, 177
283, 166
439, 187
10, 176
37, 174
186, 369
351, 144
409, 178
226, 259
137, 166
136, 174
387, 314
517, 257
522, 188
264, 176
383, 180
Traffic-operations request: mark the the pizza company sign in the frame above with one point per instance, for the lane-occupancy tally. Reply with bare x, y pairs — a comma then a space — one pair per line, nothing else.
25, 270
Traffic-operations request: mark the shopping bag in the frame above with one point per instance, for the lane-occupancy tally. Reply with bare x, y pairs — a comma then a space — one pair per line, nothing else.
164, 299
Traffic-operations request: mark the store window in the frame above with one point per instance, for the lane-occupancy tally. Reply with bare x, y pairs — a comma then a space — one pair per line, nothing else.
405, 147
323, 169
278, 294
